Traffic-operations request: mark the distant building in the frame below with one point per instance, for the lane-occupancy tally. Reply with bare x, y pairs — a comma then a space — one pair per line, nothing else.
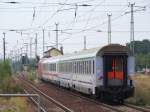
52, 52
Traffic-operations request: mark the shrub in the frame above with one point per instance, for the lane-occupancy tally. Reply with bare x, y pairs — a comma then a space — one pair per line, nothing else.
7, 84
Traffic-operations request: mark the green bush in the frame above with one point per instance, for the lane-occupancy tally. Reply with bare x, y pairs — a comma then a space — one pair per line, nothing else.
31, 76
7, 84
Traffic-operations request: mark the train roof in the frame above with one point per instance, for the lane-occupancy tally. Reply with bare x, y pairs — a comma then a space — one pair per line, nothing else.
99, 51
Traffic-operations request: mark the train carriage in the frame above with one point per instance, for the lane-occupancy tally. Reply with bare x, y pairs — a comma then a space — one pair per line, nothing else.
104, 72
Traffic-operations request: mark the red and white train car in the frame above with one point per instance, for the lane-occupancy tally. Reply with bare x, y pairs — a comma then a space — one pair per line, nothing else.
104, 72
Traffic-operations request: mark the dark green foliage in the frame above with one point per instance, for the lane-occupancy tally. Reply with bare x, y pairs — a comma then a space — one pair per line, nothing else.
141, 47
7, 84
5, 70
142, 53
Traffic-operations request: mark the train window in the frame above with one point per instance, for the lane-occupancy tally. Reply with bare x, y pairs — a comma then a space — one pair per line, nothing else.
71, 67
119, 64
46, 66
54, 67
77, 67
90, 67
66, 67
80, 67
93, 66
87, 67
83, 67
60, 69
51, 67
74, 67
62, 65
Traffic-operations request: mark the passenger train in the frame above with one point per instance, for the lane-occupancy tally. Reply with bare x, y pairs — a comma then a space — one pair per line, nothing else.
102, 72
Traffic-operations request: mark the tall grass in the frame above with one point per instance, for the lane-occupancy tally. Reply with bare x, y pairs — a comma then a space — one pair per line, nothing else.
142, 90
7, 85
14, 104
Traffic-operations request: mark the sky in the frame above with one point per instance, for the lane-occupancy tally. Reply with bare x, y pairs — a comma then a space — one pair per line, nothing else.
22, 19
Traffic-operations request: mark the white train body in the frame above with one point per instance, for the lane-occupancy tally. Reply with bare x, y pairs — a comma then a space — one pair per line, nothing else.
83, 71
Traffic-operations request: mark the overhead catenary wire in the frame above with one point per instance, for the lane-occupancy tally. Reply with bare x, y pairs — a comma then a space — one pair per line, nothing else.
74, 29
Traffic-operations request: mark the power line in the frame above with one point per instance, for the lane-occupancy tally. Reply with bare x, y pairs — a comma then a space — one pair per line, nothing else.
105, 22
52, 15
92, 11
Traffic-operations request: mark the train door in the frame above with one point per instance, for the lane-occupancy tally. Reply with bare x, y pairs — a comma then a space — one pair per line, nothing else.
115, 70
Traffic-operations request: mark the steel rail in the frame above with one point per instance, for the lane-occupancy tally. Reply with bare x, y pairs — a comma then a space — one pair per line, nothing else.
137, 107
34, 101
100, 103
66, 109
91, 100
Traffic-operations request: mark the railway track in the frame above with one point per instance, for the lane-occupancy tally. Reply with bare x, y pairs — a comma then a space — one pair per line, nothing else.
143, 109
45, 105
119, 108
100, 107
35, 101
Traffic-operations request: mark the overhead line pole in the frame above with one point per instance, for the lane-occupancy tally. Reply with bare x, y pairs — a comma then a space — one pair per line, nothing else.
132, 29
35, 45
30, 47
56, 35
4, 46
43, 41
109, 28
